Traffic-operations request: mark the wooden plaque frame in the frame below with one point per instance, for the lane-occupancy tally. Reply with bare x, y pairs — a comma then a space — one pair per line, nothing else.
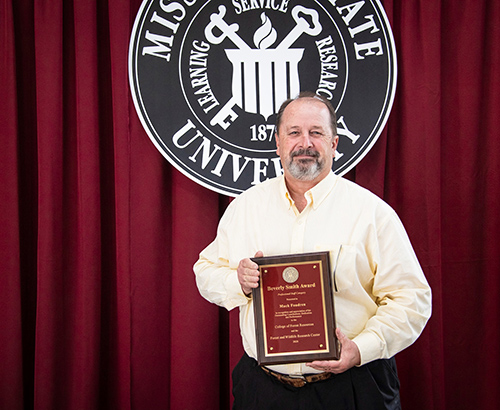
294, 309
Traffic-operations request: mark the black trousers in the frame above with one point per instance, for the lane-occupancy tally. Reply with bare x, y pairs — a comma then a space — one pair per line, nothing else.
373, 386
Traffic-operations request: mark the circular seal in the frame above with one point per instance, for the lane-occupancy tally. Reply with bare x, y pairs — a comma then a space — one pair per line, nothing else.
290, 274
207, 78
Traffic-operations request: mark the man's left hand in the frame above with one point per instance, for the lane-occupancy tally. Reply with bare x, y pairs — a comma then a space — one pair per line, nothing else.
349, 357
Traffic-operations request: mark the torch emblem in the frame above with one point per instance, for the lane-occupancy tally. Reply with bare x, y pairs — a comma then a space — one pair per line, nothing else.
264, 77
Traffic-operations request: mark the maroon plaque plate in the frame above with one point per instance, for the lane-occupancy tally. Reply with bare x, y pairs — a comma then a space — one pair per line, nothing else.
294, 312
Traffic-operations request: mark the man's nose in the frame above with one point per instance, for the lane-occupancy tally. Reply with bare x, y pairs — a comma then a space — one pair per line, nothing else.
305, 140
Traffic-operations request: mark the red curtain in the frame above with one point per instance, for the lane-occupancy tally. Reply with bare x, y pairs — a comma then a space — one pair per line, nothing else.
99, 309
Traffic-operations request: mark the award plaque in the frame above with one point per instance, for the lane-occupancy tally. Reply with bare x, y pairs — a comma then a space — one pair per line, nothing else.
294, 311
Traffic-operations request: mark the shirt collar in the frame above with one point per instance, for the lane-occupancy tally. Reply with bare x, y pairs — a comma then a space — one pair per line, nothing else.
284, 194
321, 190
316, 194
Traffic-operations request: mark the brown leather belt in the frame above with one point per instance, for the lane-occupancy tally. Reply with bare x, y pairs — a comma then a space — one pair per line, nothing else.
299, 381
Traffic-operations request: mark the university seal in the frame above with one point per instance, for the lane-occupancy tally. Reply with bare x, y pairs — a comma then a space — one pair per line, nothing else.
207, 78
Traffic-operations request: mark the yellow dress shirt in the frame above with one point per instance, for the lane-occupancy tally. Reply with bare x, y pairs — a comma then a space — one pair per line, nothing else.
382, 301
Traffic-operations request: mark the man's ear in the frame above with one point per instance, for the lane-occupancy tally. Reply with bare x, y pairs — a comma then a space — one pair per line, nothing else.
335, 143
276, 138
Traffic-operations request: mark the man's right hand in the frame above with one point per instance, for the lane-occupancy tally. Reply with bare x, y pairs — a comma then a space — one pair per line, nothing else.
248, 274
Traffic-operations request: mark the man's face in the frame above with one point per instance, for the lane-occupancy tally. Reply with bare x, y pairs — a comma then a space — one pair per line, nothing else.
305, 140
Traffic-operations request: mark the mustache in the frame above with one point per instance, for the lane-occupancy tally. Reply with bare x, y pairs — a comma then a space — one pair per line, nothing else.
309, 152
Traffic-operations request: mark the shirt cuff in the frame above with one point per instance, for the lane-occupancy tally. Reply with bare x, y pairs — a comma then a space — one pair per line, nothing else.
370, 347
233, 288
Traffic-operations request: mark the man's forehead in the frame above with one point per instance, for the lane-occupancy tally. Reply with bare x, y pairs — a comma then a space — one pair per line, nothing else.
320, 117
306, 105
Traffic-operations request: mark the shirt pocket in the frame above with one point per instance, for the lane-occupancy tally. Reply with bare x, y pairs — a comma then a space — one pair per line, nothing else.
342, 265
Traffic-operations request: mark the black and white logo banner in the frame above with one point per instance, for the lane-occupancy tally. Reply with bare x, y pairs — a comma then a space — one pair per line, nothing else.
207, 78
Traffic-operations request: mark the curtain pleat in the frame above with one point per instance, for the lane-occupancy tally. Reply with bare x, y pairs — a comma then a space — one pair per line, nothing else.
410, 157
52, 346
99, 307
470, 196
11, 350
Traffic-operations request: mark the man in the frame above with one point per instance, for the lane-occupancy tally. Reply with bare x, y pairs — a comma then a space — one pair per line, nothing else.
382, 299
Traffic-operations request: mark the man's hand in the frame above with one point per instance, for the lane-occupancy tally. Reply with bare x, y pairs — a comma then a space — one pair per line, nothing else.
248, 274
349, 357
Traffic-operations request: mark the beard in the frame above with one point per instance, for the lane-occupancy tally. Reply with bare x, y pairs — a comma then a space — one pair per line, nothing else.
305, 169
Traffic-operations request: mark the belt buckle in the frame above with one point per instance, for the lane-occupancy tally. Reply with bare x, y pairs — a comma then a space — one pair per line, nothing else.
299, 381
296, 381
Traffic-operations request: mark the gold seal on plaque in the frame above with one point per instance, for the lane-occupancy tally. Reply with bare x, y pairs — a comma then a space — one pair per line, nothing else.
290, 274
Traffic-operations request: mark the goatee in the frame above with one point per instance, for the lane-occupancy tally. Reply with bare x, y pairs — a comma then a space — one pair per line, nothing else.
305, 169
